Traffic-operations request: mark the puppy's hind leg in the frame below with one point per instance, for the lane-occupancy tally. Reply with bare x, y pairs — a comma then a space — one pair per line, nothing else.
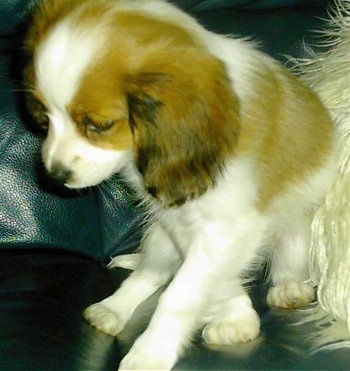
156, 266
289, 268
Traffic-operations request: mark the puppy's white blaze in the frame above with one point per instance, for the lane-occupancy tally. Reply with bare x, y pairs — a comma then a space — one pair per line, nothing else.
62, 60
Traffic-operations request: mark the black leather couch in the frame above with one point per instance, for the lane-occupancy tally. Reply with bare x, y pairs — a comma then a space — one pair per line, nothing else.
54, 244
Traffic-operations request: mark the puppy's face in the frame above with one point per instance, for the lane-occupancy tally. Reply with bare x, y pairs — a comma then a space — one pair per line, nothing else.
85, 112
138, 90
88, 139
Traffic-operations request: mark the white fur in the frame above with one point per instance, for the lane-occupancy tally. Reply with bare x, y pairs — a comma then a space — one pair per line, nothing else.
202, 249
62, 59
328, 73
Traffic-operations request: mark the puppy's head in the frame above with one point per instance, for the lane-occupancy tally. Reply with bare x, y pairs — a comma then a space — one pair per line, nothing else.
132, 88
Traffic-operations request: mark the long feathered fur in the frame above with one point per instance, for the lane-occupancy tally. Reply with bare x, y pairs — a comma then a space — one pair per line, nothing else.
329, 74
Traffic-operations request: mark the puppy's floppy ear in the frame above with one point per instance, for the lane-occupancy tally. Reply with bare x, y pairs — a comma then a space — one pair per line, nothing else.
185, 119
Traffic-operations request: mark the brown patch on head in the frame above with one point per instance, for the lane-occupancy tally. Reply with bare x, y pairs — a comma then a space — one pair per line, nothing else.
102, 101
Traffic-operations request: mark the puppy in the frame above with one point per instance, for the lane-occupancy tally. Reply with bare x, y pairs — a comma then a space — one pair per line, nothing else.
229, 151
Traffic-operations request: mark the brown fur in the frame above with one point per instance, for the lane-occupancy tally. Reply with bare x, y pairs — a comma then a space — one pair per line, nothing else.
287, 130
182, 149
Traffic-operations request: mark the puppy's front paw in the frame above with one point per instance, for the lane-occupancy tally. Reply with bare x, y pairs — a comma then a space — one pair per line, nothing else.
238, 329
104, 319
134, 361
291, 295
146, 354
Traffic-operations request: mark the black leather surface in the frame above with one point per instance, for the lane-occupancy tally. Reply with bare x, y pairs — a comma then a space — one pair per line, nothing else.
42, 296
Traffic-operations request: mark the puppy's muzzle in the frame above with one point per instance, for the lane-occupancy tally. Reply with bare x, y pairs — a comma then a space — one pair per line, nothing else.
59, 174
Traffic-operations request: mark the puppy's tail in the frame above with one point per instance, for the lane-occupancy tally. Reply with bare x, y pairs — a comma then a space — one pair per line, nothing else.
328, 73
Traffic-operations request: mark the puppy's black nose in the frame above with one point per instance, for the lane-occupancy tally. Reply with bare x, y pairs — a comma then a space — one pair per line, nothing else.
59, 174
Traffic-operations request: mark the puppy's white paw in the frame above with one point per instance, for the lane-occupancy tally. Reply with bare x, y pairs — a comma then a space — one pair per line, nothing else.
147, 355
104, 319
238, 329
143, 361
291, 295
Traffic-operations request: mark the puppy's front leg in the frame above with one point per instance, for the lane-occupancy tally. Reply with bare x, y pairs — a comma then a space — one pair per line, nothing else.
155, 267
174, 320
178, 314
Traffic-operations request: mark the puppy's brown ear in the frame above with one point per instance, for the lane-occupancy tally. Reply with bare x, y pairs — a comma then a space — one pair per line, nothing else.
185, 119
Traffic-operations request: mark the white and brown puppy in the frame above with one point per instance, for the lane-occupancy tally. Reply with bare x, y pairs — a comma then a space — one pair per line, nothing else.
231, 153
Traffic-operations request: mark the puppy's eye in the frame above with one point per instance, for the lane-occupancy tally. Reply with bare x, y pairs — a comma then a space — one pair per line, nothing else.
97, 127
38, 111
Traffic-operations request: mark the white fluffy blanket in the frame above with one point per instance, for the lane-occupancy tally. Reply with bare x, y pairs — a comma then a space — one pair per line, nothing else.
329, 74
